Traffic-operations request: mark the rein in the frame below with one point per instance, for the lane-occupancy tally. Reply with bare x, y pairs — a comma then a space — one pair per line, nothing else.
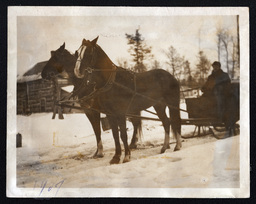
93, 94
103, 89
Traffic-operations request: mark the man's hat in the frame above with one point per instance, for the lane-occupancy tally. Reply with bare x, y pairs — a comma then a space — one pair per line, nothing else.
216, 63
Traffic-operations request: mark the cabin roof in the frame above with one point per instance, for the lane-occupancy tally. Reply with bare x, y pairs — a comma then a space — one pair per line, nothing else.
33, 74
36, 69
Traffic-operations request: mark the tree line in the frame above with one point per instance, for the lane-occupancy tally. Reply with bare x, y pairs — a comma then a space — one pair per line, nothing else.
177, 64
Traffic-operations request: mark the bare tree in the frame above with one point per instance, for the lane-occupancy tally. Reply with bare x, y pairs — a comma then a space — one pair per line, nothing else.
234, 58
238, 41
174, 61
225, 39
122, 63
218, 45
228, 48
224, 42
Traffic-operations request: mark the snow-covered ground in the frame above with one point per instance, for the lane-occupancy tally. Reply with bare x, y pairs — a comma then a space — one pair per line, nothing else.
58, 153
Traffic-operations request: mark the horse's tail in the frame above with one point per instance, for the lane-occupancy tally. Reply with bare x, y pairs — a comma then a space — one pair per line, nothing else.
174, 107
139, 129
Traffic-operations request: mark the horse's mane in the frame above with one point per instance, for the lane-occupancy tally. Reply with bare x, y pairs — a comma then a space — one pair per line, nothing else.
69, 52
102, 52
118, 67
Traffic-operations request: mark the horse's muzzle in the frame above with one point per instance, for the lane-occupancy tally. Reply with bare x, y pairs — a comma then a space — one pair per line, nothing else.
48, 75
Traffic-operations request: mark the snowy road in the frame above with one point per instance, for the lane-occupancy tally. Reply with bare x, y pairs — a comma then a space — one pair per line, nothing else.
56, 152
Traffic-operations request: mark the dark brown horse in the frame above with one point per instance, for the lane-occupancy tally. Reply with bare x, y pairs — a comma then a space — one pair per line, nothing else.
62, 63
121, 92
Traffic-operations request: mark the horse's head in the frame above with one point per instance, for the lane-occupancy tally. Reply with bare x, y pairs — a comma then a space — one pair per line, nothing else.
86, 57
93, 64
61, 64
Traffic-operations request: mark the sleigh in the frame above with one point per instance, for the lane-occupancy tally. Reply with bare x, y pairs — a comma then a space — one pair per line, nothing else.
202, 112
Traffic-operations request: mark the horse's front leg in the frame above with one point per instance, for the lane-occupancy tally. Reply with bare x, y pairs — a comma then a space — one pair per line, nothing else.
94, 118
122, 125
114, 126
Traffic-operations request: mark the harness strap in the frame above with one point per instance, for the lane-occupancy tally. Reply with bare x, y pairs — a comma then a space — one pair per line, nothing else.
134, 94
151, 99
103, 89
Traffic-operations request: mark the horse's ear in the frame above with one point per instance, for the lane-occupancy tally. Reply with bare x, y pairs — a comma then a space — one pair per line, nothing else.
62, 47
84, 42
76, 54
94, 41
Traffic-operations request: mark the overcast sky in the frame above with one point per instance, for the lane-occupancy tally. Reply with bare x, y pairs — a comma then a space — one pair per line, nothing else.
38, 35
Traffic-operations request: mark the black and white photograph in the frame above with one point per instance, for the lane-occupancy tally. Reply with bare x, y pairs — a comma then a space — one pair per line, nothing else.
128, 102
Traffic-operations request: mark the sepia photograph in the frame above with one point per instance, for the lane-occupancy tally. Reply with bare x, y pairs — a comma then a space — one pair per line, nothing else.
128, 102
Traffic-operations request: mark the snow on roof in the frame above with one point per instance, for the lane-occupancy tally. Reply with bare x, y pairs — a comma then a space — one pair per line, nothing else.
34, 77
36, 69
32, 74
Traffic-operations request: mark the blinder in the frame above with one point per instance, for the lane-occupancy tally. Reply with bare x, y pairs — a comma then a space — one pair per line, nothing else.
89, 76
88, 63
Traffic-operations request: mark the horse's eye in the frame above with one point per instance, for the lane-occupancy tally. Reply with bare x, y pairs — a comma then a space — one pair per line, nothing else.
59, 69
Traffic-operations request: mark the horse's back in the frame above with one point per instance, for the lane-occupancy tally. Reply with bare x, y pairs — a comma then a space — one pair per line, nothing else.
157, 75
158, 72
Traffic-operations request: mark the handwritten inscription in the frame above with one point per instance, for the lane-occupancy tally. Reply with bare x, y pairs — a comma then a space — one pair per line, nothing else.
48, 188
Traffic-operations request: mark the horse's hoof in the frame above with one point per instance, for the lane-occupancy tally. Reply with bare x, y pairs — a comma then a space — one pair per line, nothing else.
176, 148
96, 156
115, 160
163, 150
126, 159
133, 146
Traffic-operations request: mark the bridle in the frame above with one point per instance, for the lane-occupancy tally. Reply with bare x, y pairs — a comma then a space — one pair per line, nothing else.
90, 68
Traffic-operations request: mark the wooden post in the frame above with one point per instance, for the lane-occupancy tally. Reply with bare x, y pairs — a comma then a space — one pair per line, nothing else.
199, 130
57, 95
54, 111
59, 107
18, 140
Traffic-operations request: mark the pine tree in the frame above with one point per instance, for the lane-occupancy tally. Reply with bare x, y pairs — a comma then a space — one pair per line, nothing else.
138, 50
156, 65
203, 67
188, 73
